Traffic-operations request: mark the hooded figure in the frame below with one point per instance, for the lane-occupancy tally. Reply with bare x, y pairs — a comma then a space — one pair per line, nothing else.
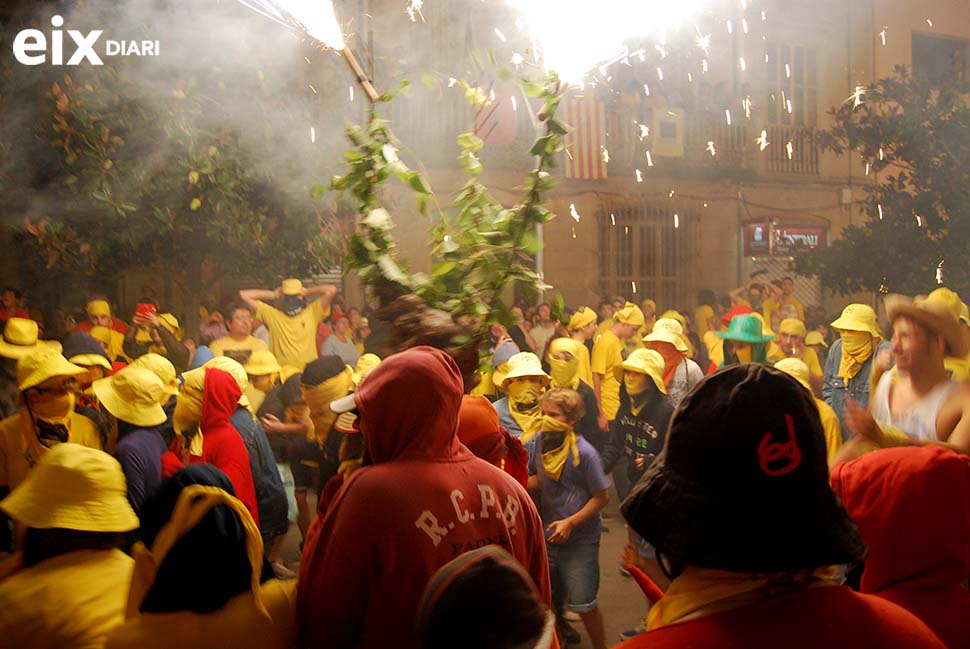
204, 581
912, 507
206, 436
739, 509
362, 576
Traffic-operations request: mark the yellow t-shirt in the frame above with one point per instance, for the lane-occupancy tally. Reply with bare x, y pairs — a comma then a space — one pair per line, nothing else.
239, 350
770, 305
715, 349
13, 444
72, 600
607, 354
238, 624
831, 428
602, 328
293, 340
808, 355
585, 371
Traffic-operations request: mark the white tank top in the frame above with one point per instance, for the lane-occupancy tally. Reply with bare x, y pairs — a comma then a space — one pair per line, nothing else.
920, 420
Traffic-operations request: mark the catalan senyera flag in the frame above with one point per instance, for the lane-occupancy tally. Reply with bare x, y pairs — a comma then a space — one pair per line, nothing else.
586, 140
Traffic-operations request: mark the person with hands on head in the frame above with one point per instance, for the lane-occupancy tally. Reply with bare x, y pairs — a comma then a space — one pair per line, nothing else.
292, 327
572, 490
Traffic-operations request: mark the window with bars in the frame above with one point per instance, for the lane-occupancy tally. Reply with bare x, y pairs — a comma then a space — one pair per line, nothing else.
939, 58
644, 254
792, 85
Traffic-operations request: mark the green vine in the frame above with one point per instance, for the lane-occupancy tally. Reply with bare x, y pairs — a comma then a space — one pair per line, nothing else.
482, 249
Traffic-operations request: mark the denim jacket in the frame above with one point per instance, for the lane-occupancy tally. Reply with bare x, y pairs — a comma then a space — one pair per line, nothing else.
834, 389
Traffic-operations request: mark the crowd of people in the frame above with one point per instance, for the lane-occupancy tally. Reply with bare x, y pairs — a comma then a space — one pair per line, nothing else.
786, 478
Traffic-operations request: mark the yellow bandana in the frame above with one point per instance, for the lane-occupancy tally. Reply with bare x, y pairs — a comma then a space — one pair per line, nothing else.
703, 588
318, 398
554, 461
523, 393
635, 385
565, 374
188, 416
857, 347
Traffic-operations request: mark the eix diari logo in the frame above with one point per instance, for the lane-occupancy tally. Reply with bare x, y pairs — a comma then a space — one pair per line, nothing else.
31, 46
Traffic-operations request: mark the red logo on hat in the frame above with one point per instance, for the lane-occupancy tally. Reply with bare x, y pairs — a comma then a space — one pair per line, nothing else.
770, 452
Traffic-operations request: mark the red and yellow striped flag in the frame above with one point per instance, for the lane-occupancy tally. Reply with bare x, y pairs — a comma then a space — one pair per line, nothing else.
586, 140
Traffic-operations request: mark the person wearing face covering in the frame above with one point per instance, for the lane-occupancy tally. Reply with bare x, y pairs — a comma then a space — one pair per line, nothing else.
518, 412
582, 328
362, 576
851, 369
565, 359
204, 433
568, 477
680, 374
293, 326
200, 579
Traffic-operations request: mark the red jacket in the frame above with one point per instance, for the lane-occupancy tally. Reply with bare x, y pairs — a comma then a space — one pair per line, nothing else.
833, 617
425, 500
222, 446
912, 507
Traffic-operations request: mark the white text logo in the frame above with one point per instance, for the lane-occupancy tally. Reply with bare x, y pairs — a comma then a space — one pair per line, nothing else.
30, 47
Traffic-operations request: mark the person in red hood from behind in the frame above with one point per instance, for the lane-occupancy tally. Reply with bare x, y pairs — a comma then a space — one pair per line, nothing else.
912, 507
221, 446
423, 500
479, 429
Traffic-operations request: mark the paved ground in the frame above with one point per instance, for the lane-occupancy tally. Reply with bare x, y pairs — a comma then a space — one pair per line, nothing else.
621, 601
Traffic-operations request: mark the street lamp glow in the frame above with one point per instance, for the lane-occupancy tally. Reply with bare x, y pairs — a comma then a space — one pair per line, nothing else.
576, 36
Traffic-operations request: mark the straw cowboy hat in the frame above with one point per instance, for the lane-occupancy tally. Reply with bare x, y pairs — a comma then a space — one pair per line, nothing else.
644, 361
938, 312
20, 338
667, 330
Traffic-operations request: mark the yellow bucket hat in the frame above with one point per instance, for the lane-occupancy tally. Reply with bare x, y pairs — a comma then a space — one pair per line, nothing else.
262, 362
858, 317
815, 338
91, 360
524, 364
644, 361
20, 337
292, 286
795, 368
98, 307
134, 395
667, 330
793, 327
939, 311
676, 315
73, 487
630, 314
160, 367
196, 378
41, 365
581, 318
171, 323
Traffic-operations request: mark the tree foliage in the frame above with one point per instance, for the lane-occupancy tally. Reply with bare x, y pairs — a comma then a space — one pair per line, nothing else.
480, 248
915, 137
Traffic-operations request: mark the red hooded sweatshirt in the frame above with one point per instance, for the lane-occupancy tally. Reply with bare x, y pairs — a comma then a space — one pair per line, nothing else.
425, 500
222, 446
912, 507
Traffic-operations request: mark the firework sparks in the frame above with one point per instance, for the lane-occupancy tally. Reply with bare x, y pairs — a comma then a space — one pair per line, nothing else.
633, 285
649, 159
882, 154
879, 207
646, 90
790, 149
929, 22
573, 213
517, 59
350, 89
313, 135
727, 115
742, 64
868, 167
746, 105
501, 36
660, 74
676, 221
711, 149
612, 219
515, 105
704, 66
744, 25
939, 272
644, 131
606, 155
882, 35
763, 140
414, 10
703, 41
639, 176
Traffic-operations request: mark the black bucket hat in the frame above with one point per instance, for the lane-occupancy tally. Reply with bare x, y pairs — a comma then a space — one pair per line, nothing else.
742, 483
